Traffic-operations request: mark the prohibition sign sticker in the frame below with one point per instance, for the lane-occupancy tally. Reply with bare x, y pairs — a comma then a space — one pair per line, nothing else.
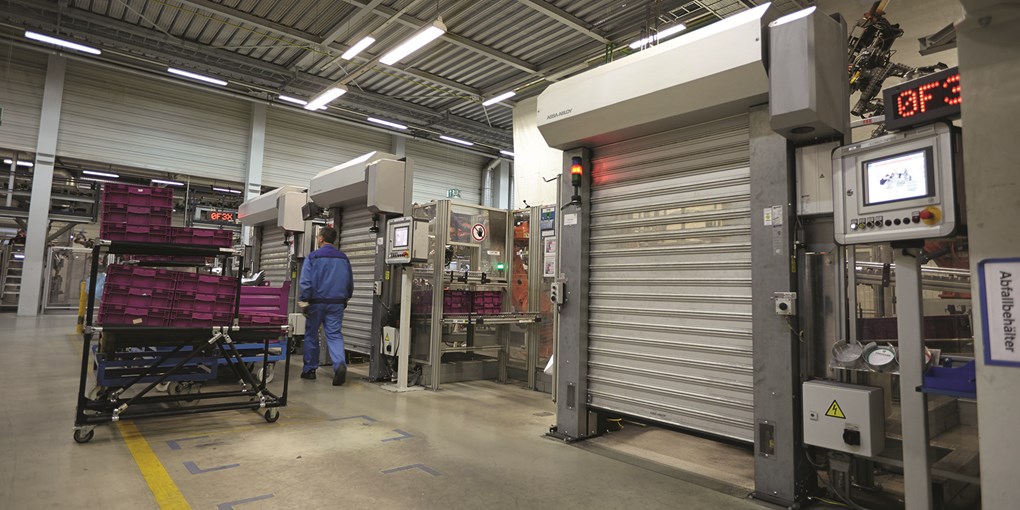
478, 232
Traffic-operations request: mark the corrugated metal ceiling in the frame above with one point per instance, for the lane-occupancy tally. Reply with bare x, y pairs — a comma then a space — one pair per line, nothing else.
491, 46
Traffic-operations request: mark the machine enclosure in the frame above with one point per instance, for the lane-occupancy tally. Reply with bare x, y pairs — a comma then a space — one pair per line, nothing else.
808, 88
377, 176
667, 86
864, 417
280, 207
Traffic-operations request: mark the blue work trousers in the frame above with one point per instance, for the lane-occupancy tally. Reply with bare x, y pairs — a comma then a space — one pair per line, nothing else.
331, 318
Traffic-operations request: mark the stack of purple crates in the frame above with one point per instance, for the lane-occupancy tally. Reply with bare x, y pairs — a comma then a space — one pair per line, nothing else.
139, 214
143, 296
478, 302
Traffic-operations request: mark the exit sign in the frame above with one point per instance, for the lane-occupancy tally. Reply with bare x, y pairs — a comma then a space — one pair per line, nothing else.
453, 193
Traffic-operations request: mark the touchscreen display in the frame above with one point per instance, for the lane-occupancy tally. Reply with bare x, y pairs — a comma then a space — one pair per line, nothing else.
900, 177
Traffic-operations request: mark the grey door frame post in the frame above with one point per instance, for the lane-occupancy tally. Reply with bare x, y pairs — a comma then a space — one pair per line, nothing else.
42, 187
573, 418
781, 474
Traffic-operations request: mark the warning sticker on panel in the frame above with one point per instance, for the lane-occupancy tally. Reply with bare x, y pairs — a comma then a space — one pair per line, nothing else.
478, 232
834, 411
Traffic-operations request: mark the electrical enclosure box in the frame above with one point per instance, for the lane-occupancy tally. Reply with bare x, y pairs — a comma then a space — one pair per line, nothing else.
898, 187
389, 340
407, 240
844, 417
376, 180
280, 208
814, 178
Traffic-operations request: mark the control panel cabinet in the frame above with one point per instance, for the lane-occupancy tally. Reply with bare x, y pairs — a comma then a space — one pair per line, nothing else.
407, 240
898, 187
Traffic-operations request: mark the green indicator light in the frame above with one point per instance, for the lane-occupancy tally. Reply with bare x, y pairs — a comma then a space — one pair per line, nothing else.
500, 266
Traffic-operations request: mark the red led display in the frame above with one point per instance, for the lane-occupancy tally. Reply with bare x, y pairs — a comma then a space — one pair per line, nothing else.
926, 99
221, 216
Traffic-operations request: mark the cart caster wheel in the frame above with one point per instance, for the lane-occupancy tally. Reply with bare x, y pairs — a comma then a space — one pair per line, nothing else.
270, 370
272, 415
84, 436
185, 388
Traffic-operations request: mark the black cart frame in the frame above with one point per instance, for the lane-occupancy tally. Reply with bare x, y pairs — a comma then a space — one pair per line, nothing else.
111, 405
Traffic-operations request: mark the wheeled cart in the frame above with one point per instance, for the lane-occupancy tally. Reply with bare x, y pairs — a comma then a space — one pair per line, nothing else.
131, 360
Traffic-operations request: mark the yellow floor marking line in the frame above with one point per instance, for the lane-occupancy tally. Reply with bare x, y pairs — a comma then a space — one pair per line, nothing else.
168, 495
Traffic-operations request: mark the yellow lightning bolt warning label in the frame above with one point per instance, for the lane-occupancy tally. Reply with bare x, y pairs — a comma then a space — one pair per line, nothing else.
834, 411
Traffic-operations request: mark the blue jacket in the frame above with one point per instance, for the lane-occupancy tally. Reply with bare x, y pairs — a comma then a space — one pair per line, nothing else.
326, 276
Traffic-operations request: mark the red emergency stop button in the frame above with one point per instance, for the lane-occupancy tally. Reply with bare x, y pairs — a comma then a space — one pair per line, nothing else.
931, 215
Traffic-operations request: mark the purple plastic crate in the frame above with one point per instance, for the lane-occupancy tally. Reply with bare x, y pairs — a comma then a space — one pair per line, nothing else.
147, 196
204, 303
137, 297
134, 234
117, 315
141, 277
190, 284
184, 319
260, 320
203, 237
178, 259
137, 215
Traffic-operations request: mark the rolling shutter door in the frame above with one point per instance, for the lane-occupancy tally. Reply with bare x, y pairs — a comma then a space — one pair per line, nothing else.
359, 244
274, 255
670, 288
129, 120
298, 146
22, 78
438, 169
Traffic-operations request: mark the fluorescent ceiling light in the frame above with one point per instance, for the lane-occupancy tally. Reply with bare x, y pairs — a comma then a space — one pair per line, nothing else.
60, 42
199, 77
418, 41
167, 183
662, 34
100, 174
20, 163
227, 190
320, 101
496, 99
793, 16
19, 256
507, 153
393, 125
358, 47
296, 101
455, 140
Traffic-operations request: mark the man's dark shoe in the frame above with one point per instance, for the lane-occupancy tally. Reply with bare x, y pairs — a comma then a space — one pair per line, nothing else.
308, 375
340, 377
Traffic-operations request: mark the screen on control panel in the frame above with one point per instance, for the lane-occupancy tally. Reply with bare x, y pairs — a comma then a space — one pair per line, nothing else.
900, 177
400, 237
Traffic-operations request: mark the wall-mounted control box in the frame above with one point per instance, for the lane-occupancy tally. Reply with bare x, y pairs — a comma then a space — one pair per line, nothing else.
844, 417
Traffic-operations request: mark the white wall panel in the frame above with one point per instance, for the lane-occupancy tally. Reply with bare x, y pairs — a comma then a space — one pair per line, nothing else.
131, 120
438, 169
22, 76
298, 146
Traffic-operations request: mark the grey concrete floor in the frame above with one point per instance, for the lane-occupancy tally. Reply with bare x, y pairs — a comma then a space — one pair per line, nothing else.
479, 445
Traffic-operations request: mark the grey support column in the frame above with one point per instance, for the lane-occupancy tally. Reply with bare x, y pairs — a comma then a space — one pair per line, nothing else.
256, 156
42, 186
780, 471
988, 65
573, 420
398, 147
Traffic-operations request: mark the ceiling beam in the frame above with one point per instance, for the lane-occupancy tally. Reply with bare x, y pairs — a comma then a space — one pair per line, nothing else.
334, 34
138, 48
243, 17
464, 42
566, 18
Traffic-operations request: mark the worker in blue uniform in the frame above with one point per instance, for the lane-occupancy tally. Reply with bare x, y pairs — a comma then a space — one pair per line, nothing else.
326, 284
